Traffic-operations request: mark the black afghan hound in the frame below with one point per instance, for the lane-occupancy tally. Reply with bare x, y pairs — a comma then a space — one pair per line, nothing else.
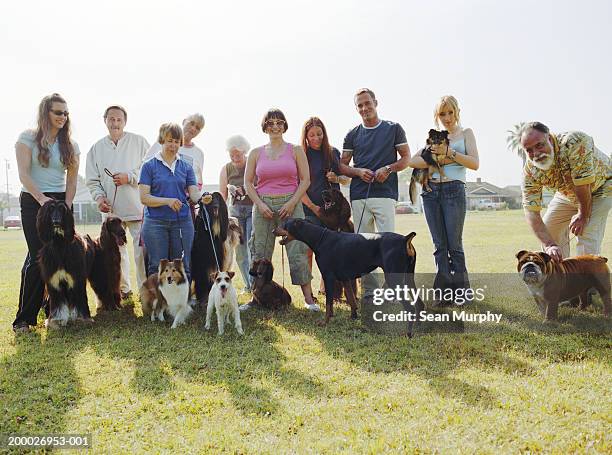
105, 275
65, 260
203, 263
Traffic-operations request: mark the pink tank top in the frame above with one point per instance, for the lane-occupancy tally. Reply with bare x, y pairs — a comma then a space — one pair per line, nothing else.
279, 176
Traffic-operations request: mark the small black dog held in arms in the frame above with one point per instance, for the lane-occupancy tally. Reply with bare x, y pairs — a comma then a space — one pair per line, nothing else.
422, 176
65, 260
343, 256
267, 293
105, 275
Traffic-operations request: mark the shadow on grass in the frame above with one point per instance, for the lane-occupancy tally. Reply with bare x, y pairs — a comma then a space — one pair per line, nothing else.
243, 365
39, 384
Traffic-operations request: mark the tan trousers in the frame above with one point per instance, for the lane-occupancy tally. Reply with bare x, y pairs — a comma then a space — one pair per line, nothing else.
379, 216
559, 214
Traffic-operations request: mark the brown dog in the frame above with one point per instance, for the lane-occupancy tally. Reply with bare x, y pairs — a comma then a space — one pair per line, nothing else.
267, 293
551, 282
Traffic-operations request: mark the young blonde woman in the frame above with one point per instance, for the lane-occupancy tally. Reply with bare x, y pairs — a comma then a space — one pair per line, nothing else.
283, 177
445, 205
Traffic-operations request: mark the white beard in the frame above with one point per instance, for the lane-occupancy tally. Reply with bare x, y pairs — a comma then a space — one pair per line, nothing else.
545, 164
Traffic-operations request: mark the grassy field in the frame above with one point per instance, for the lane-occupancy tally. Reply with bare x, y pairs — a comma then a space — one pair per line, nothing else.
290, 386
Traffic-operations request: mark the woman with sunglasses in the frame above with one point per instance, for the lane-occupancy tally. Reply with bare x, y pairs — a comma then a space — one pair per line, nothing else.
283, 177
48, 164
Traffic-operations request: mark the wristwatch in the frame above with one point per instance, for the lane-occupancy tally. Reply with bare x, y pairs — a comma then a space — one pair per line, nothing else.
388, 168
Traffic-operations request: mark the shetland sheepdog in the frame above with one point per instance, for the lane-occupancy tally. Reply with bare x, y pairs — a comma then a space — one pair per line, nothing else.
168, 290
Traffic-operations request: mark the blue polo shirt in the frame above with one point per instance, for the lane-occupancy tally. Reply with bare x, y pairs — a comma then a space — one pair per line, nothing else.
373, 148
166, 182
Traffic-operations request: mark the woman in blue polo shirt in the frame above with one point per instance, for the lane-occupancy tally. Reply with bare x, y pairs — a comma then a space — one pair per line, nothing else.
167, 228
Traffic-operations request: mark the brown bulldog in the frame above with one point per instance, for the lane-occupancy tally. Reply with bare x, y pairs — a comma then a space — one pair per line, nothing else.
552, 282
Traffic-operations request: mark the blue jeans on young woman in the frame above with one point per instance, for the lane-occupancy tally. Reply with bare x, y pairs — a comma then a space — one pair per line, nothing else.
444, 208
244, 214
167, 239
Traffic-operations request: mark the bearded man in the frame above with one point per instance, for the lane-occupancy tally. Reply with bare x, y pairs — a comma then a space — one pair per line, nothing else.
570, 164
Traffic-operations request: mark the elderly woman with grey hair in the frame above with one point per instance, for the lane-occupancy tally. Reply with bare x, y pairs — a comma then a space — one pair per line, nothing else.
231, 182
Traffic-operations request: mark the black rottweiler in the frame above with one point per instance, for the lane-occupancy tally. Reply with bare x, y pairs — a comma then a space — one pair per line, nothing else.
345, 256
422, 176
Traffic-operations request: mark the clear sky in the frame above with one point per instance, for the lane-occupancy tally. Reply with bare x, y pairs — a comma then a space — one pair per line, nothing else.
231, 60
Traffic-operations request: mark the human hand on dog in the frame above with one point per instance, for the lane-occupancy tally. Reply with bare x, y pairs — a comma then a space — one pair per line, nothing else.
120, 178
103, 204
578, 223
439, 149
286, 210
44, 199
331, 177
174, 204
554, 252
381, 174
365, 174
265, 211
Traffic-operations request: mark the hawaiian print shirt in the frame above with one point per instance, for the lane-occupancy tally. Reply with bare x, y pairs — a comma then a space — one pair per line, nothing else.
576, 162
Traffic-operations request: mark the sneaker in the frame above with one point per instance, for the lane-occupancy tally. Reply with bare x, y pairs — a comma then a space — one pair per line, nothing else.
245, 307
21, 327
126, 295
312, 307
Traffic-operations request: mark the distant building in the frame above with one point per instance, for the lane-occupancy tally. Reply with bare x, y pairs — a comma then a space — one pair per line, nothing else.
486, 196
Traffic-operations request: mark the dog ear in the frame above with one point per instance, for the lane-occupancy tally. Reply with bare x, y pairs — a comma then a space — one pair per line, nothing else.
231, 274
162, 264
43, 223
546, 258
68, 222
178, 263
213, 275
521, 253
269, 273
223, 215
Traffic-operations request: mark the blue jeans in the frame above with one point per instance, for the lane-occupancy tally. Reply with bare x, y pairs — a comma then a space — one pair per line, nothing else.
162, 239
444, 208
244, 214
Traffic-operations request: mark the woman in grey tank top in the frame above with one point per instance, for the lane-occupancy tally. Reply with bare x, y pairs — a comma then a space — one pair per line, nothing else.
231, 184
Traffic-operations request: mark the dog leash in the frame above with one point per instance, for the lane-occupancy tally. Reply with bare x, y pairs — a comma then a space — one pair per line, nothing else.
282, 250
364, 205
212, 242
111, 175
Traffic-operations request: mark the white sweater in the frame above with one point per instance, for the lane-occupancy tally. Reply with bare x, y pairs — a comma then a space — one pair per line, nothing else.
127, 156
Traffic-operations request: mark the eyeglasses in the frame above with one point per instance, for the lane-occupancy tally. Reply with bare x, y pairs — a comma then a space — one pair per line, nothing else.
58, 113
275, 123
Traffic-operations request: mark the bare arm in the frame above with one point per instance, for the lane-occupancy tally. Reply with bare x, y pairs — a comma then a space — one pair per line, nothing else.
585, 200
470, 160
223, 182
383, 173
417, 162
24, 165
249, 185
311, 205
534, 219
71, 181
354, 172
304, 176
194, 193
154, 201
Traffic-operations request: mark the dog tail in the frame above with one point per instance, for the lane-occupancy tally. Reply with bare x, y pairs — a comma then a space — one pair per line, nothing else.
412, 191
410, 251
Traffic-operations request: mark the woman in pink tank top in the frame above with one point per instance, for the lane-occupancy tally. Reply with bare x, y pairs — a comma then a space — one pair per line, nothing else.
282, 175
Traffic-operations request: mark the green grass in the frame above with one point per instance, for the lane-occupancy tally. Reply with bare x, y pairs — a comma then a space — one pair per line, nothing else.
290, 386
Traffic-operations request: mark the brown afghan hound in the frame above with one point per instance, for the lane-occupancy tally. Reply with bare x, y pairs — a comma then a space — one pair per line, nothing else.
65, 260
203, 265
105, 275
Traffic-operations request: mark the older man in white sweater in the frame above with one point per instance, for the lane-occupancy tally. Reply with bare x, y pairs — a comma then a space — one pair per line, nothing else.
121, 153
